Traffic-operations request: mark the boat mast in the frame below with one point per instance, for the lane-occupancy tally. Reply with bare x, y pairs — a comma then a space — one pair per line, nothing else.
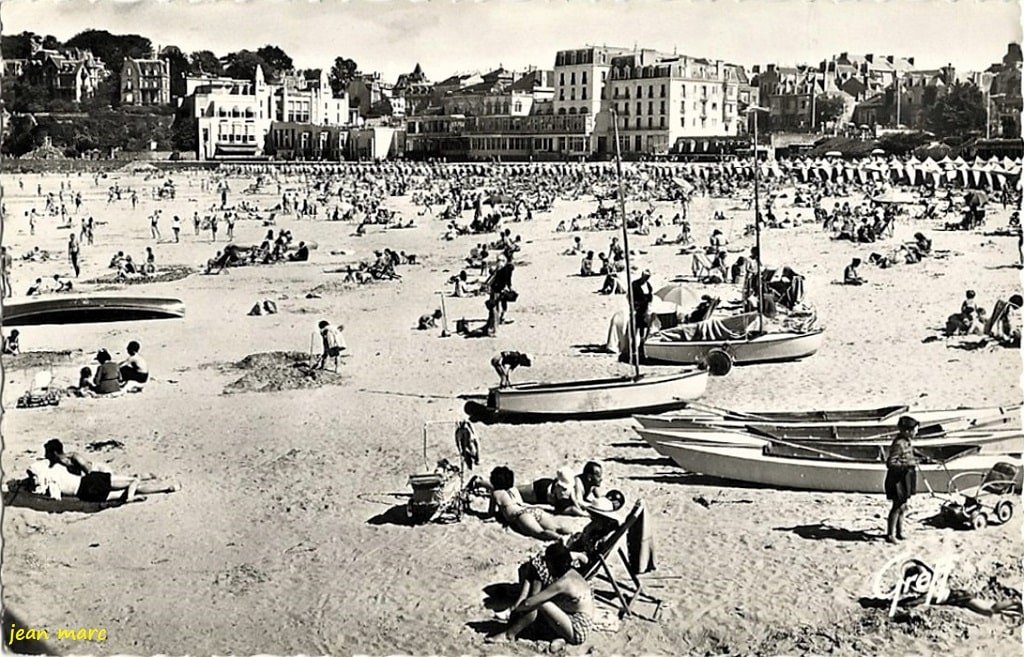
634, 348
757, 231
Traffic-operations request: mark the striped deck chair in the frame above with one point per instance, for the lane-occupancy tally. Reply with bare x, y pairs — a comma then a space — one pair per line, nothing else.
626, 594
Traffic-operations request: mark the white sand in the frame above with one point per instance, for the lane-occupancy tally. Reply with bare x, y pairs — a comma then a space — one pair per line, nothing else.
282, 540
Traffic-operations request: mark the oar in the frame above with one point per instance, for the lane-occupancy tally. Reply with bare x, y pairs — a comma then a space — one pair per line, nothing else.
725, 412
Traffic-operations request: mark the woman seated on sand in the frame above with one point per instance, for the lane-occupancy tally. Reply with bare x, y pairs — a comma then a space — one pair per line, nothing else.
508, 505
68, 474
108, 376
559, 594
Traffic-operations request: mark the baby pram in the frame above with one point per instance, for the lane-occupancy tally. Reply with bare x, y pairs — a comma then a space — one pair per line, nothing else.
41, 393
437, 496
992, 500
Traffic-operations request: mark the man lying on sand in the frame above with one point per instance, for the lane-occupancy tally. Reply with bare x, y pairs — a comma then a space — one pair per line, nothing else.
68, 474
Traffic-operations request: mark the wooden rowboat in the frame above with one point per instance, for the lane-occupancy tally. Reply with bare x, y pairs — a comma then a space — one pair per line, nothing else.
703, 421
589, 400
996, 441
90, 309
753, 467
788, 417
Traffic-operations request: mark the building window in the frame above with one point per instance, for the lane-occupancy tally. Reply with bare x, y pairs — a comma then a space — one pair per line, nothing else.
572, 78
650, 91
583, 93
572, 94
604, 74
639, 108
662, 110
662, 91
638, 122
561, 79
650, 107
661, 122
650, 121
561, 94
584, 77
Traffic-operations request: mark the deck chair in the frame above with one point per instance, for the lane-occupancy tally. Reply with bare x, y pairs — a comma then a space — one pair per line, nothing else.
626, 594
701, 266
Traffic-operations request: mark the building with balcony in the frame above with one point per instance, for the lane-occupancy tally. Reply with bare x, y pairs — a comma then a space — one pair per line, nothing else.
145, 82
660, 98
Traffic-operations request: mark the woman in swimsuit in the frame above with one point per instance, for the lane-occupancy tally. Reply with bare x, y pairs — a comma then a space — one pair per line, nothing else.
566, 603
507, 502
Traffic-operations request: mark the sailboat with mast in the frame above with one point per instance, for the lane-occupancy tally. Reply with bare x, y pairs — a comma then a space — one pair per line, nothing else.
722, 343
612, 397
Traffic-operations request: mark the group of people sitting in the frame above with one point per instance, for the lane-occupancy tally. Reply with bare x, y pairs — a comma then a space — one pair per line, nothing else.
49, 286
111, 377
271, 250
1004, 325
579, 516
128, 268
908, 253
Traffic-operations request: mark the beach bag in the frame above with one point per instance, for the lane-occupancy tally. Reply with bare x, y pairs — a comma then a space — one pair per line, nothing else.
509, 296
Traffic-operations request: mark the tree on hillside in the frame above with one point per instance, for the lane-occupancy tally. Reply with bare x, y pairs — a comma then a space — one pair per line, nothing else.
178, 64
901, 143
275, 59
17, 46
242, 65
112, 48
204, 61
828, 109
958, 113
342, 72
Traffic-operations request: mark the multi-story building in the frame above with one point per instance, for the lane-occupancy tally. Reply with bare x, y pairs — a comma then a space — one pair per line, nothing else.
71, 73
296, 118
1003, 94
580, 78
918, 91
233, 117
370, 95
145, 82
660, 98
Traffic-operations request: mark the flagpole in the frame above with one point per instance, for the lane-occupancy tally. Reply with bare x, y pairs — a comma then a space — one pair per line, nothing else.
634, 353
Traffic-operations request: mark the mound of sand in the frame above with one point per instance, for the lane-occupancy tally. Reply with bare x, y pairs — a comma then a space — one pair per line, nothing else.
271, 371
165, 275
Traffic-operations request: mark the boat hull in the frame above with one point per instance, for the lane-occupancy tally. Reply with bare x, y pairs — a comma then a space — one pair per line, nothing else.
585, 400
999, 441
768, 348
752, 467
91, 309
704, 421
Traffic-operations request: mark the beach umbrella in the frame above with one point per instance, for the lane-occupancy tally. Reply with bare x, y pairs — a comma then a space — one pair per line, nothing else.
976, 198
678, 295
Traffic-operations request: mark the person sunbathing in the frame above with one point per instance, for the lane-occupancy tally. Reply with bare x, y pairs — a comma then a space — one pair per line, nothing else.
508, 505
934, 589
566, 603
60, 474
85, 387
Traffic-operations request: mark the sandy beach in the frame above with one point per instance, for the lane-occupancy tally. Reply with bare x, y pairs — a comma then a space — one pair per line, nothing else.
289, 537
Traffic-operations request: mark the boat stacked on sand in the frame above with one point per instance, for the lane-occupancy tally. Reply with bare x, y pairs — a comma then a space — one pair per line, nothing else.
832, 450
